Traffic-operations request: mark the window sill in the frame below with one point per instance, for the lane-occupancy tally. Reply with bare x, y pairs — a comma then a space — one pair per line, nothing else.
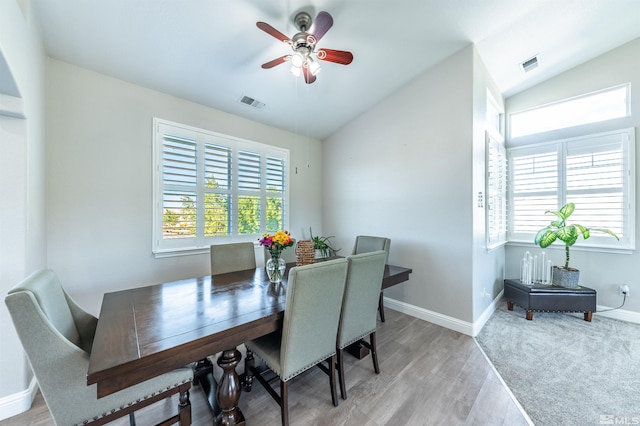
159, 254
599, 249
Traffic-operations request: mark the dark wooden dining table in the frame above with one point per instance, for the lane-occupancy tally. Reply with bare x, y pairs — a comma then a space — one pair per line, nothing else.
145, 332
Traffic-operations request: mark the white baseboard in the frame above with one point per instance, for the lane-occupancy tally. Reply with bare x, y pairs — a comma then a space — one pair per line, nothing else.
486, 314
464, 327
619, 314
20, 402
472, 329
455, 324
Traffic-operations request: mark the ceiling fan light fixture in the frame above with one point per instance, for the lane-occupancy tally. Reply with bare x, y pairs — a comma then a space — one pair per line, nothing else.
295, 70
314, 67
297, 60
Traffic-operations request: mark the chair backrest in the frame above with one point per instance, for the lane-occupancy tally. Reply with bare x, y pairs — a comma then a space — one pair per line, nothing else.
360, 303
288, 254
49, 296
50, 337
232, 257
366, 244
312, 312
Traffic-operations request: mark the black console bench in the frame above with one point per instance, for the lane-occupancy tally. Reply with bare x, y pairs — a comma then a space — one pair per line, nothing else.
550, 298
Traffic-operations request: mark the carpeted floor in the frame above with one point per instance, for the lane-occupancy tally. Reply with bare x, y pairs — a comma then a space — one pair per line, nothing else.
564, 370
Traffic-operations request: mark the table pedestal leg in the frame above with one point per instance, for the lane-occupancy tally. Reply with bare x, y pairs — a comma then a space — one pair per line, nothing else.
228, 393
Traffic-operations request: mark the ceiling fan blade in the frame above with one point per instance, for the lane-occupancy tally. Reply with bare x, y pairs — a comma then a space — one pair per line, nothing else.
272, 31
308, 76
337, 56
321, 25
276, 61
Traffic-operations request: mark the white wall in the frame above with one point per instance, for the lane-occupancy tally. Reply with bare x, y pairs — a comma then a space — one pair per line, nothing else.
22, 225
99, 177
404, 170
488, 265
601, 271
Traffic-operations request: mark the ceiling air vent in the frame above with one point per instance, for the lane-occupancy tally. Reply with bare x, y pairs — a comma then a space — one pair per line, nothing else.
530, 64
252, 102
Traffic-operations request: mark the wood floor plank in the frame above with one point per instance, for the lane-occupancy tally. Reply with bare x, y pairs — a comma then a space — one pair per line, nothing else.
429, 375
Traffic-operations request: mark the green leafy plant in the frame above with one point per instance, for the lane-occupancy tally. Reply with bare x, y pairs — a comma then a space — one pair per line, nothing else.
322, 244
559, 229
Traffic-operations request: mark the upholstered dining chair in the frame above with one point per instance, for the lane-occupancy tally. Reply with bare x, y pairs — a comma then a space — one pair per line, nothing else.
309, 329
359, 306
232, 257
366, 243
57, 336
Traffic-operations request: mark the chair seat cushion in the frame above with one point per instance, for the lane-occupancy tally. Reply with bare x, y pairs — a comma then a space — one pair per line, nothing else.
267, 348
91, 410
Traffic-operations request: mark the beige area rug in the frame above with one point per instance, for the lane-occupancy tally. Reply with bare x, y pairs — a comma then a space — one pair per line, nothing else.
564, 370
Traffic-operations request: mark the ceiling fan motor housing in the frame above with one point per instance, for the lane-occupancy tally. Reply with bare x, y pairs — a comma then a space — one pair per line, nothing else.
301, 44
302, 21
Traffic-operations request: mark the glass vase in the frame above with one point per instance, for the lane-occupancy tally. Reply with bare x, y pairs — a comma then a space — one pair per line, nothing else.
275, 269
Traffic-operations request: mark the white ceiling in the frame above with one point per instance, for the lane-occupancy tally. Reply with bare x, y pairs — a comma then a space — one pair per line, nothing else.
210, 51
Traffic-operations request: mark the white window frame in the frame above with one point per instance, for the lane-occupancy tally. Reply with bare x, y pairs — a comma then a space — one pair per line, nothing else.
163, 247
591, 107
626, 137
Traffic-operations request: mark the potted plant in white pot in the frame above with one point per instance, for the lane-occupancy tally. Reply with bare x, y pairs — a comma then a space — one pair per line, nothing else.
559, 229
321, 246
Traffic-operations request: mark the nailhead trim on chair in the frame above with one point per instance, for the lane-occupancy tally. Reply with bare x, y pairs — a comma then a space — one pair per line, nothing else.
303, 369
358, 338
85, 422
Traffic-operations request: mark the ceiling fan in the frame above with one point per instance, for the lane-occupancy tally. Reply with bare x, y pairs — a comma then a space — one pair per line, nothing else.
303, 45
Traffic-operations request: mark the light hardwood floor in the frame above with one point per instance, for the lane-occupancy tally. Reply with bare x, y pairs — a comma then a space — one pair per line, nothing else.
429, 376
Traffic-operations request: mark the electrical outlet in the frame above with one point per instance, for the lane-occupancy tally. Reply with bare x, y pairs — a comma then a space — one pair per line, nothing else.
623, 290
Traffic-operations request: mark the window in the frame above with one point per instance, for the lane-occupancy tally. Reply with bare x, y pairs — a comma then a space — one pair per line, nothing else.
211, 187
496, 176
595, 172
494, 115
496, 190
591, 108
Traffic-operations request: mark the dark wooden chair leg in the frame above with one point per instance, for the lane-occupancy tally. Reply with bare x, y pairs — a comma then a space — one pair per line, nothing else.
343, 387
588, 316
249, 364
200, 369
284, 402
381, 306
374, 352
332, 380
184, 408
132, 419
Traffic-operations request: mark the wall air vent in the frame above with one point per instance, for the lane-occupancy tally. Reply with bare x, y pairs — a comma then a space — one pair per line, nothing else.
530, 64
252, 102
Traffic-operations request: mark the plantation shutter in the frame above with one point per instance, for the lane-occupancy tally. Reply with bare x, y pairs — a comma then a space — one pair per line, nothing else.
593, 172
595, 182
249, 183
275, 177
217, 194
210, 188
179, 185
496, 190
534, 188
